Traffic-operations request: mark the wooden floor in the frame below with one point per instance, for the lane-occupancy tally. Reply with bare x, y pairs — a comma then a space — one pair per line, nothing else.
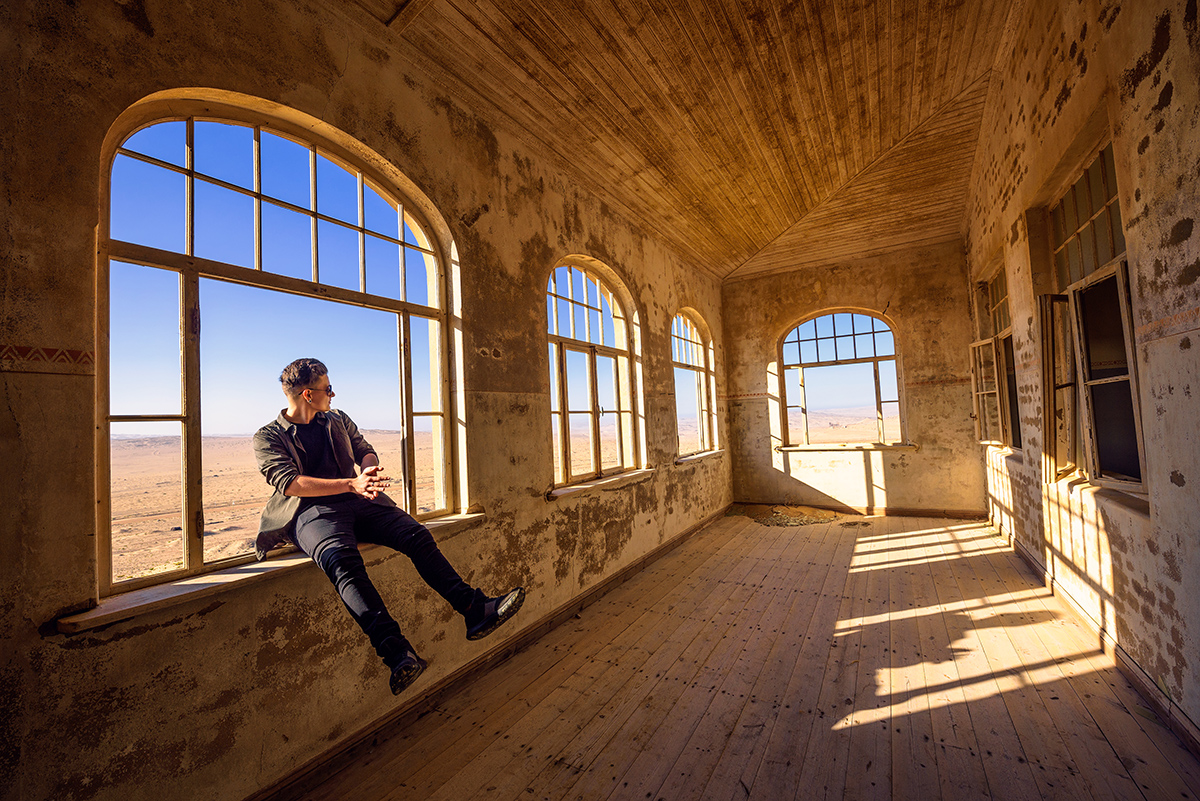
863, 658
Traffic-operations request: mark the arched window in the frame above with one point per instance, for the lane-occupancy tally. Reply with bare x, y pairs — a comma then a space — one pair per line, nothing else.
593, 374
695, 386
840, 381
233, 249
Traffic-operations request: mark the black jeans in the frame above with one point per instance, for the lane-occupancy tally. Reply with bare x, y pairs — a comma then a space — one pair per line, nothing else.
329, 530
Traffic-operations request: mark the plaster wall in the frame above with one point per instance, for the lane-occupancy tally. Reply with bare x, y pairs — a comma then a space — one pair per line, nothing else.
222, 697
1071, 77
923, 295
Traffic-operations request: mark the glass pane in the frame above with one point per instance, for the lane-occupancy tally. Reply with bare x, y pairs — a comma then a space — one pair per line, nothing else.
687, 410
824, 326
1064, 428
1087, 244
1103, 334
593, 294
580, 314
383, 268
581, 444
420, 278
1096, 186
1071, 219
1109, 172
791, 353
578, 293
233, 495
562, 281
426, 361
990, 424
553, 378
1056, 225
1116, 431
606, 383
808, 352
337, 191
889, 389
381, 215
225, 151
551, 320
1083, 202
414, 233
145, 363
843, 324
146, 463
337, 255
166, 141
1064, 273
794, 398
148, 205
610, 337
808, 330
1074, 260
1010, 386
863, 324
1104, 251
891, 422
428, 461
556, 437
885, 345
845, 347
285, 169
579, 388
224, 224
825, 350
594, 326
841, 403
985, 368
286, 242
1118, 228
564, 319
864, 346
610, 442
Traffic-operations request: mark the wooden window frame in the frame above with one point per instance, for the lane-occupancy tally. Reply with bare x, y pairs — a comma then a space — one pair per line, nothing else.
622, 351
693, 352
191, 269
997, 320
801, 402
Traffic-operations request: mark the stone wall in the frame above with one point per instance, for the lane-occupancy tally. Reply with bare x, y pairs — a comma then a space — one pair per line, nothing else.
226, 695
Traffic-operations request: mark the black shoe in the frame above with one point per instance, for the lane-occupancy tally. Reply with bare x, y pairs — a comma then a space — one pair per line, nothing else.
481, 623
406, 671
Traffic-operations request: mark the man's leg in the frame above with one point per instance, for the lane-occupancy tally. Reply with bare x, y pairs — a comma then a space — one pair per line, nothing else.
326, 533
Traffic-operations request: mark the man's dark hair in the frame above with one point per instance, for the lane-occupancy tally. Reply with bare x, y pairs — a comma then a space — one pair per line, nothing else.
300, 373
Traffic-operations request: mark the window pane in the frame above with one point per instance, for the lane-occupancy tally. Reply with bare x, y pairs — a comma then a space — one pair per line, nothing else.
808, 352
606, 383
414, 234
985, 368
808, 330
285, 169
581, 444
864, 346
578, 294
885, 344
551, 319
1056, 225
990, 424
1087, 244
148, 205
1118, 228
825, 350
426, 363
1072, 218
225, 151
146, 464
891, 422
1010, 386
610, 442
286, 242
381, 215
843, 324
383, 268
564, 319
420, 274
1064, 273
594, 326
233, 496
562, 281
166, 141
791, 353
1083, 201
337, 191
841, 403
144, 352
553, 377
428, 458
1074, 260
824, 326
580, 320
224, 224
556, 437
337, 255
1104, 336
1064, 427
1110, 172
1096, 186
888, 385
1116, 431
610, 337
579, 388
863, 324
845, 347
687, 410
1104, 251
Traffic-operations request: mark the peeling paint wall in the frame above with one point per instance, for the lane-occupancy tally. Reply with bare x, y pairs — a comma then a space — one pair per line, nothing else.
227, 695
923, 294
1072, 77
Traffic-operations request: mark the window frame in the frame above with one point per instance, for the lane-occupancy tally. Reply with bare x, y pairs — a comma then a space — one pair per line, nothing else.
785, 405
191, 269
626, 367
695, 355
995, 317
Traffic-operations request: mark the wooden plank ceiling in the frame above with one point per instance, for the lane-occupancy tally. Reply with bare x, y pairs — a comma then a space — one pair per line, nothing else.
754, 135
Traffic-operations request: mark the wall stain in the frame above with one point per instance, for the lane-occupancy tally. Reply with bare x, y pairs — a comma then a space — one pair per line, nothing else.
1180, 232
1149, 61
1177, 478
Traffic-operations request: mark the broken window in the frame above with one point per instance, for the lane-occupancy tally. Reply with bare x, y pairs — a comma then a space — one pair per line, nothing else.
593, 370
841, 381
994, 370
1088, 335
695, 387
232, 250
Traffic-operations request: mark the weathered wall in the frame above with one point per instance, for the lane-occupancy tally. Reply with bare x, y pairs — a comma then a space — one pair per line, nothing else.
1074, 76
225, 696
923, 294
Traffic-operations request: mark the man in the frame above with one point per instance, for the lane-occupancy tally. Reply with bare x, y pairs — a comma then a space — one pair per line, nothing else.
325, 507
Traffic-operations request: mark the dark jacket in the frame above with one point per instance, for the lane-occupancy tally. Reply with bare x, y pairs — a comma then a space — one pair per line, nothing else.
277, 450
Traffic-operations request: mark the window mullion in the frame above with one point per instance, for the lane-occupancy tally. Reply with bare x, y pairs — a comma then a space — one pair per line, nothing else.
564, 420
878, 401
189, 234
193, 494
409, 453
1122, 276
597, 463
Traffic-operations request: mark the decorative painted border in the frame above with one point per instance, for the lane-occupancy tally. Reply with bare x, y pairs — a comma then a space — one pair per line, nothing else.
32, 359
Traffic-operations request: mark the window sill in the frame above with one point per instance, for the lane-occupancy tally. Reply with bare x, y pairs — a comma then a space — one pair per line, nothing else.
602, 484
866, 446
126, 605
696, 457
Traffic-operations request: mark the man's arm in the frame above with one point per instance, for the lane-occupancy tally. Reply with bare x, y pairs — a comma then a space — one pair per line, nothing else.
369, 483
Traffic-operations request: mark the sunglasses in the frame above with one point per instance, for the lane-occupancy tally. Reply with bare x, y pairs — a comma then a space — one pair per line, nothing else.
327, 390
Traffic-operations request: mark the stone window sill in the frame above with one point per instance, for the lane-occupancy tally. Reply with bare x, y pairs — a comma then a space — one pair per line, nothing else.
124, 606
696, 457
865, 446
601, 484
